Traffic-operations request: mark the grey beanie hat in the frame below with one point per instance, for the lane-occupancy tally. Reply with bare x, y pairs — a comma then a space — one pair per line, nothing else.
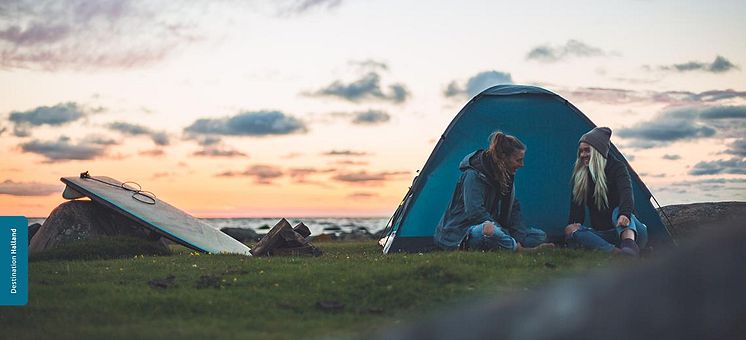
598, 138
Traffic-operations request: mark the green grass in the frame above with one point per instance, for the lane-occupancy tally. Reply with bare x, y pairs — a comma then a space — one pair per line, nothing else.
269, 297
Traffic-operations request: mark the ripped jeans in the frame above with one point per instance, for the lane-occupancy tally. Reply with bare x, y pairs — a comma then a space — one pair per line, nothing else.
504, 238
607, 240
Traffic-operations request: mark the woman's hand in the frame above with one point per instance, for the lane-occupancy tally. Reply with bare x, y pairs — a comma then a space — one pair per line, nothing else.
622, 221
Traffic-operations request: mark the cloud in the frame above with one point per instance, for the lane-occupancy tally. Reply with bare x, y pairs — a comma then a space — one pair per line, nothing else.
159, 137
370, 65
57, 115
362, 195
81, 34
665, 131
366, 88
724, 112
99, 140
477, 83
671, 157
303, 172
129, 129
736, 166
208, 140
572, 48
219, 151
345, 153
364, 177
152, 153
301, 175
370, 117
686, 123
625, 96
711, 181
63, 149
8, 187
737, 148
290, 7
716, 95
253, 123
608, 95
729, 121
263, 174
349, 162
719, 65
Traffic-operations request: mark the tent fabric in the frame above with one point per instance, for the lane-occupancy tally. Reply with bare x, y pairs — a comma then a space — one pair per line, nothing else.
549, 126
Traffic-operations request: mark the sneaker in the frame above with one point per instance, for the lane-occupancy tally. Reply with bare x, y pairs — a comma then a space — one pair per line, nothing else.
629, 247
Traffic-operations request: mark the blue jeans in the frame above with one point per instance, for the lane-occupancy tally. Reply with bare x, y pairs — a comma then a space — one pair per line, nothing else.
607, 240
504, 238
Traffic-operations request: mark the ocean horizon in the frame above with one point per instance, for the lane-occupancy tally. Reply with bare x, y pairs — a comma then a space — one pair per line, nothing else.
317, 225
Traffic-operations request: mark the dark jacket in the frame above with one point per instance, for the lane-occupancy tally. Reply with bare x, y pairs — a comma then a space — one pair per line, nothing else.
476, 199
619, 195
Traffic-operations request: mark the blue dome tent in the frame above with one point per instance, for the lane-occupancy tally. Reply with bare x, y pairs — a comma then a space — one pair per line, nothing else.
549, 126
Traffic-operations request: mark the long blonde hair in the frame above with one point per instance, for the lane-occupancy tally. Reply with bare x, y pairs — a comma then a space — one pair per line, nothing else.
596, 165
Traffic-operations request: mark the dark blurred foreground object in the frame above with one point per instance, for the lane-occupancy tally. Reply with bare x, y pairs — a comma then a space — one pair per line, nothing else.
76, 221
697, 291
285, 240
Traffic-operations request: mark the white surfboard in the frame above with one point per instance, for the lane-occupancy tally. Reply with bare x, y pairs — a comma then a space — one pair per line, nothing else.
154, 214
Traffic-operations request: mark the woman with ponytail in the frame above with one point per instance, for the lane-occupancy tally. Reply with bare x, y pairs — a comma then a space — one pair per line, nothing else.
601, 184
483, 213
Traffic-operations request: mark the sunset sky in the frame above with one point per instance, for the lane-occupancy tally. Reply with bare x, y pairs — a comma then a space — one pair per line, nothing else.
329, 107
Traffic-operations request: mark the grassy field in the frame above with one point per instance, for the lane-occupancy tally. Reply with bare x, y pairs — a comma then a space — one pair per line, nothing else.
197, 295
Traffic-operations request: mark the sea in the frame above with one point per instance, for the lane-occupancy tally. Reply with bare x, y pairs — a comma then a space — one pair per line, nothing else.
317, 225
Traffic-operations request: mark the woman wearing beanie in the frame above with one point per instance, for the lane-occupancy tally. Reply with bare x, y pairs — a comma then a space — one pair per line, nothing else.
601, 184
483, 213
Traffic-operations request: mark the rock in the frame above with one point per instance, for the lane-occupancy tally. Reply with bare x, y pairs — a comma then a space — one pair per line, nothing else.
359, 234
687, 219
283, 240
324, 238
75, 221
302, 229
32, 230
379, 234
242, 234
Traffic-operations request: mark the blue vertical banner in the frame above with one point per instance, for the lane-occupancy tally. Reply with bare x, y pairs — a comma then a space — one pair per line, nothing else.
13, 261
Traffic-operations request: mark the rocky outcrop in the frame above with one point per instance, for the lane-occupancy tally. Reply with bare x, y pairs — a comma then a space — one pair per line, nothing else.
75, 221
688, 219
32, 230
242, 235
285, 240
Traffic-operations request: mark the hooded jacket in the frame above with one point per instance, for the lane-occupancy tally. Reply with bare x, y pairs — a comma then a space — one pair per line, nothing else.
618, 194
475, 200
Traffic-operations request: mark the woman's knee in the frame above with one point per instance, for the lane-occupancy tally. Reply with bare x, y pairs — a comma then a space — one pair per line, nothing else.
571, 228
488, 228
